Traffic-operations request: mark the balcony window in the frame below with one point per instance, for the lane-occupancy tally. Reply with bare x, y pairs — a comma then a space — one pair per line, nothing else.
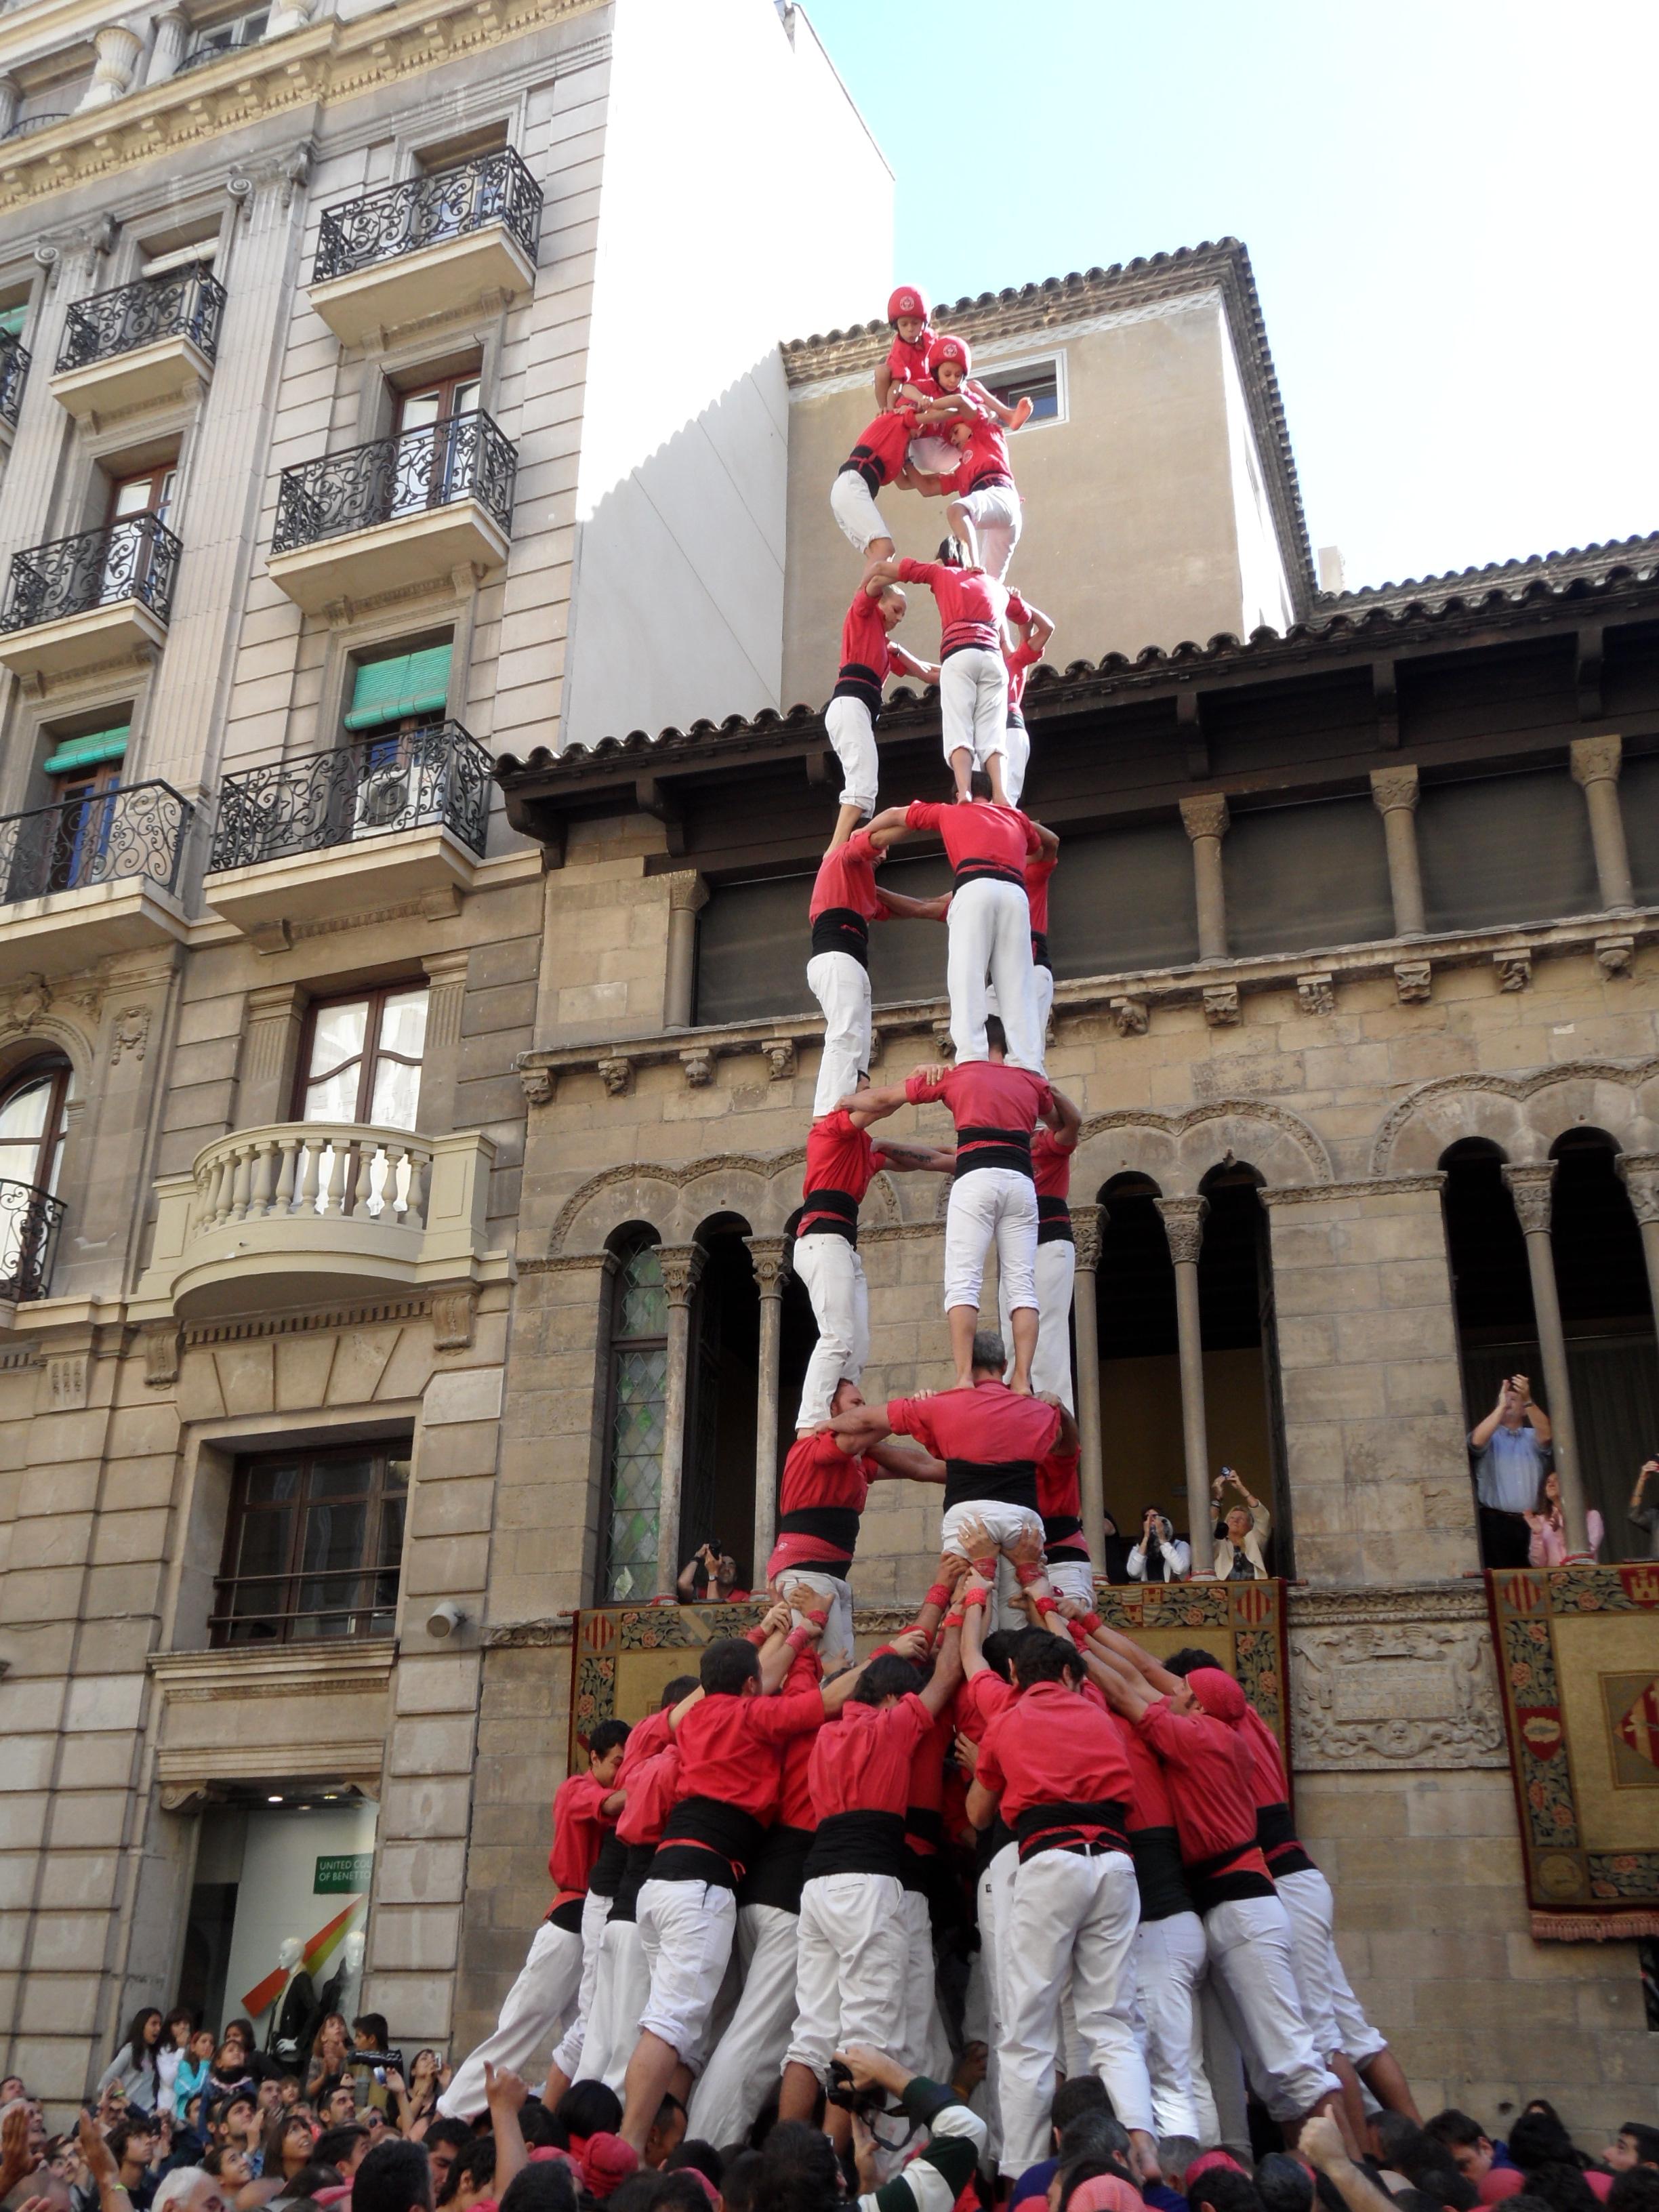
434, 464
492, 189
97, 832
218, 40
14, 362
186, 302
314, 1546
405, 691
361, 1061
32, 1121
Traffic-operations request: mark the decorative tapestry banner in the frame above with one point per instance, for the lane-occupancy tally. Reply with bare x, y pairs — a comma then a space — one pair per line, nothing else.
1578, 1663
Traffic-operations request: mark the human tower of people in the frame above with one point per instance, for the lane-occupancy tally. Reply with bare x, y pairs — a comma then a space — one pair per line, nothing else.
750, 1880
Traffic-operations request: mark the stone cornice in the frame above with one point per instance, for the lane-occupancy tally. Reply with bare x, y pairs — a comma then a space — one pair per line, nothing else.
279, 1670
1314, 1607
1368, 1187
324, 64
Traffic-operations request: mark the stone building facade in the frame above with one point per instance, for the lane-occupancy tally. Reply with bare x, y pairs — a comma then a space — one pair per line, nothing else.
403, 1073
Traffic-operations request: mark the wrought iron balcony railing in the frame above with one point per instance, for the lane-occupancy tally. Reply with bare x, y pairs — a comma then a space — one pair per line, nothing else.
13, 375
491, 188
440, 775
465, 457
188, 303
134, 834
29, 1221
135, 558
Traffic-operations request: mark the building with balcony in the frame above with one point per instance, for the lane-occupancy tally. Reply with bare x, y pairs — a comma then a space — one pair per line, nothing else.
413, 770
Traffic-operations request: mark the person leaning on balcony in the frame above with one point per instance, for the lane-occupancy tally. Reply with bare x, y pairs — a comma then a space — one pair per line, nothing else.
1644, 1505
1510, 1450
1240, 1536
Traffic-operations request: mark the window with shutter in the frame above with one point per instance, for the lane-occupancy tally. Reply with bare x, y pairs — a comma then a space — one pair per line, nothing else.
404, 688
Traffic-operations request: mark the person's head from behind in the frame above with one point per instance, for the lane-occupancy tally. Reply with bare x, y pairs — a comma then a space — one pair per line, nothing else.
737, 2181
445, 2142
1635, 2145
1283, 2184
1079, 2093
394, 2177
667, 2131
997, 1651
310, 2179
1560, 2183
886, 1680
996, 1037
548, 2185
587, 2108
979, 785
1224, 2190
695, 2156
606, 1745
1040, 1657
1463, 2138
189, 2189
470, 2176
1635, 2190
1094, 2135
1538, 2139
343, 2148
730, 1668
989, 1356
799, 2172
951, 553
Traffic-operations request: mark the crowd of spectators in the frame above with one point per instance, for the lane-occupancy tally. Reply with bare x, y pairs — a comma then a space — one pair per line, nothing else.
177, 2127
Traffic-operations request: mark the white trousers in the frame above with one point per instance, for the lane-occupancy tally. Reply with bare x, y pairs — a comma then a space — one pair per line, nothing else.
1309, 1907
836, 1644
1054, 1267
988, 1203
533, 2017
1016, 759
1360, 2041
988, 929
849, 1978
568, 2055
620, 1991
1170, 1957
1249, 1947
853, 506
996, 515
1073, 1915
973, 704
743, 2071
833, 1274
685, 1929
924, 2047
1229, 2120
1007, 1524
841, 986
994, 1898
1072, 1578
847, 725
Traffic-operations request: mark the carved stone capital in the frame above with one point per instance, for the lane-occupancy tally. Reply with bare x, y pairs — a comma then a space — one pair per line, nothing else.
1596, 760
766, 1256
1639, 1173
536, 1084
161, 1355
455, 1314
616, 1072
1514, 970
1183, 1224
698, 1061
1205, 816
1131, 1015
1085, 1229
1530, 1187
943, 1041
686, 892
1613, 955
1221, 1007
1316, 993
1412, 981
779, 1056
681, 1271
1393, 787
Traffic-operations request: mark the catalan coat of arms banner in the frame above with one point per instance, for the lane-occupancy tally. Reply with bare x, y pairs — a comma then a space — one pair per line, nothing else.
1578, 1661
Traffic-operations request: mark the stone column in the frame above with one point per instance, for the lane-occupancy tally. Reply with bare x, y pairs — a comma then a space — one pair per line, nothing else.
1530, 1187
1085, 1228
441, 1062
1183, 1224
682, 1266
1595, 765
11, 93
271, 1045
1394, 794
1207, 822
1639, 1173
766, 1257
172, 33
687, 895
118, 51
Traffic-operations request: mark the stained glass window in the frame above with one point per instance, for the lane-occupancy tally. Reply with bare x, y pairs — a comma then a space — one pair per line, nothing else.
639, 1381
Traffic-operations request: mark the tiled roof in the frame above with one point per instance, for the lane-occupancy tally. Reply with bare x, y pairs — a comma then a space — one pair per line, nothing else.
1588, 561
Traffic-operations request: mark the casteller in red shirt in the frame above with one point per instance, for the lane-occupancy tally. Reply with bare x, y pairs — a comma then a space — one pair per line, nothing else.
842, 1164
970, 605
883, 446
1206, 1771
865, 644
731, 1776
989, 1437
845, 900
823, 1494
579, 1827
980, 839
984, 457
996, 1102
1055, 1762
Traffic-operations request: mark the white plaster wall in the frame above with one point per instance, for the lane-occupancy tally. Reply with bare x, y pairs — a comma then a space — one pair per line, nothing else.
732, 157
1264, 589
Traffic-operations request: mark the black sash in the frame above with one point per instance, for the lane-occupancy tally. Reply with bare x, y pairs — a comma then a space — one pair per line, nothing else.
859, 463
1158, 1872
1221, 1880
840, 1205
608, 1867
1062, 1536
971, 644
778, 1870
1040, 951
1071, 1825
992, 1148
839, 929
834, 1525
1016, 720
989, 479
568, 1916
858, 1843
704, 1839
640, 1857
1009, 1481
1280, 1847
974, 870
1053, 1221
858, 681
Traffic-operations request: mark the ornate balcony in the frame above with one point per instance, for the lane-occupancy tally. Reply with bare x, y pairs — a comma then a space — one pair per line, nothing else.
14, 364
301, 1211
382, 821
429, 246
29, 1222
102, 595
90, 877
141, 346
397, 512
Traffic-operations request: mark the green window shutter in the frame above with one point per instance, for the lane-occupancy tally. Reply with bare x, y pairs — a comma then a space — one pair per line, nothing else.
408, 683
89, 751
12, 321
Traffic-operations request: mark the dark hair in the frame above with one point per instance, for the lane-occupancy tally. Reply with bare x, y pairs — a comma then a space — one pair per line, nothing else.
695, 2152
310, 2179
536, 2126
395, 2175
1183, 1662
607, 1735
456, 2133
1561, 2184
1093, 2133
1635, 2191
371, 2024
640, 2192
979, 783
221, 2108
738, 2182
335, 2145
1451, 2127
1538, 2139
1645, 2138
137, 2124
1040, 1657
996, 1037
587, 2108
546, 2186
669, 2103
137, 2049
476, 2164
179, 2013
997, 1650
799, 2172
1224, 2190
1283, 2182
242, 2028
887, 1675
727, 1664
681, 1686
1078, 2093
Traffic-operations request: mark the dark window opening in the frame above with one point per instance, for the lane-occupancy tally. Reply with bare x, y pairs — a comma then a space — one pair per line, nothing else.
1040, 383
314, 1547
717, 1495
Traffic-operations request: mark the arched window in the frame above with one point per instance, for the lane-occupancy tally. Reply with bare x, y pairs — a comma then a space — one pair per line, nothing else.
31, 1148
634, 1430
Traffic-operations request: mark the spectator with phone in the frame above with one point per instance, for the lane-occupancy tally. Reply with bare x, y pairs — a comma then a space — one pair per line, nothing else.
718, 1571
1241, 1534
1645, 1504
1511, 1452
1160, 1556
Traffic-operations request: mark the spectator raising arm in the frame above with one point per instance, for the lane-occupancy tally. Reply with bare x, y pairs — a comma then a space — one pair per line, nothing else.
934, 2180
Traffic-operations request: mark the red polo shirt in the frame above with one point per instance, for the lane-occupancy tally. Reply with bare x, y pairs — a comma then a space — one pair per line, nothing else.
847, 879
988, 1422
1206, 1771
820, 1480
729, 1746
840, 1156
1051, 1746
864, 639
979, 1701
1019, 663
981, 836
578, 1829
883, 443
986, 1094
861, 1761
970, 605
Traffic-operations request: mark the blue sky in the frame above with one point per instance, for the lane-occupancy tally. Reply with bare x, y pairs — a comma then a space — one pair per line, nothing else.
1450, 209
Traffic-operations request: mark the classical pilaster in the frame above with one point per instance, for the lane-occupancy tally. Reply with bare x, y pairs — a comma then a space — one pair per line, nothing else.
1206, 820
766, 1256
1530, 1187
1639, 1173
271, 1046
682, 1267
1394, 794
172, 33
1085, 1229
1183, 1224
445, 977
11, 93
688, 894
1595, 765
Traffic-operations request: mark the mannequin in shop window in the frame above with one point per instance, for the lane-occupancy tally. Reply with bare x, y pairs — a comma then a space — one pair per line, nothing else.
294, 2022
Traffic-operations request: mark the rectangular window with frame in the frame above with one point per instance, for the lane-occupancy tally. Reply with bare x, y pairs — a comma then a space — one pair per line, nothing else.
1039, 381
313, 1548
229, 33
360, 1058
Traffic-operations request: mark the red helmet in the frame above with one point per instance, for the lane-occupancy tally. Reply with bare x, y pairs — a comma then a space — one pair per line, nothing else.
950, 349
907, 300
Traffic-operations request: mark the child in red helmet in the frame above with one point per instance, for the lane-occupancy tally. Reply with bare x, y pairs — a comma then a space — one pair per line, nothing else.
907, 358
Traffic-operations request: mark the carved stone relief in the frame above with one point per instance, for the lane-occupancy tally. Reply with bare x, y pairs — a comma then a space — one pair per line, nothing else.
1384, 1680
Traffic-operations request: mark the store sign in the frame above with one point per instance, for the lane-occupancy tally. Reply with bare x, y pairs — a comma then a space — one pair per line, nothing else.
347, 1875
